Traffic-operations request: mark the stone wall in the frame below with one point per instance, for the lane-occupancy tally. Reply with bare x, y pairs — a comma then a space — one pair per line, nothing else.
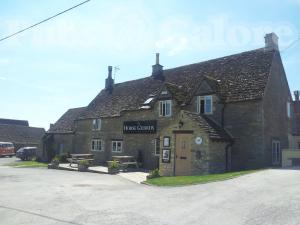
209, 157
294, 142
112, 129
277, 125
296, 118
63, 143
243, 120
288, 155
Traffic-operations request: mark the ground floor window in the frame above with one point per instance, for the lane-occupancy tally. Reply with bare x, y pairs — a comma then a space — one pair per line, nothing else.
157, 147
276, 152
97, 145
117, 146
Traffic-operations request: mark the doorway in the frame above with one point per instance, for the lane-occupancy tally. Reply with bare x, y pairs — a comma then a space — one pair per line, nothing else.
183, 154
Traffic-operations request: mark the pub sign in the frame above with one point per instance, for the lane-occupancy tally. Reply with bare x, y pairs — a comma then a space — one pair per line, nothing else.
139, 127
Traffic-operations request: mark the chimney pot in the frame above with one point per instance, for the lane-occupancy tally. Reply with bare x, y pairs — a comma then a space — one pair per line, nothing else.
157, 58
157, 69
109, 70
271, 41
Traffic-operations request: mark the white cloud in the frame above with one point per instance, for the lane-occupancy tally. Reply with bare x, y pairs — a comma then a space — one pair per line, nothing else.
3, 78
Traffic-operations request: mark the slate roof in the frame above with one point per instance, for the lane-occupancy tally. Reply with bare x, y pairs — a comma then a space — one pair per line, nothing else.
215, 131
21, 134
14, 122
238, 77
65, 123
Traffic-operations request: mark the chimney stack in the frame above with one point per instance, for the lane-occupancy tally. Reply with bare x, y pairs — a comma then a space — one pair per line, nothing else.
157, 69
109, 82
297, 95
271, 42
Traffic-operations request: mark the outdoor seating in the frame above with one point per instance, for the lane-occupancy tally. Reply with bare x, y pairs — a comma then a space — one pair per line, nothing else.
76, 158
125, 161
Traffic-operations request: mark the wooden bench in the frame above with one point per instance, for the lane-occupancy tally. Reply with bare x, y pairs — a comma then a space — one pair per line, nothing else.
125, 161
76, 158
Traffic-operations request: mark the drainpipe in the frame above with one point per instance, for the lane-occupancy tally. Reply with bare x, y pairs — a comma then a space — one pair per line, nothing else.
228, 146
222, 114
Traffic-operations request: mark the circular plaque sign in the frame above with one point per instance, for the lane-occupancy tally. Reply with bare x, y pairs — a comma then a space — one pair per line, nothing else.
198, 140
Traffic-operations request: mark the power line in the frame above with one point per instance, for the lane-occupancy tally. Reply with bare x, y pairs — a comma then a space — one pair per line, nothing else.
49, 18
290, 45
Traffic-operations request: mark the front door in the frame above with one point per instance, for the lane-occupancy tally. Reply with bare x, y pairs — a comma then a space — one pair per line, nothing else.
183, 154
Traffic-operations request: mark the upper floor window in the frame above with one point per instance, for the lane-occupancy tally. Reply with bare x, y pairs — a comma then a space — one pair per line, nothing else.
205, 104
165, 108
117, 146
288, 109
96, 145
96, 124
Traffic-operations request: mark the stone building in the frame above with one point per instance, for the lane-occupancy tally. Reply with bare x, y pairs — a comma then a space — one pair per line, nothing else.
228, 113
21, 134
295, 134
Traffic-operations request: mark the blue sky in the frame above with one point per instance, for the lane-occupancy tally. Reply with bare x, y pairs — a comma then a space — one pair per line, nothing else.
62, 63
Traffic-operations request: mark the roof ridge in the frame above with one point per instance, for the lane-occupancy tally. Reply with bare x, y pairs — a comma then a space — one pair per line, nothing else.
18, 125
219, 58
197, 63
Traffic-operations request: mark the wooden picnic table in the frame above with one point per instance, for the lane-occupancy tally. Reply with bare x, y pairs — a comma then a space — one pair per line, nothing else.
126, 160
76, 158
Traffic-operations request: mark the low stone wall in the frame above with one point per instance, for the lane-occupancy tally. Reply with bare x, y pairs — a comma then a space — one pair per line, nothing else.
288, 155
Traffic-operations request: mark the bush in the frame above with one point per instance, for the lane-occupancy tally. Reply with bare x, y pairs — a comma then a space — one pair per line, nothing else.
113, 165
153, 174
63, 157
84, 162
55, 160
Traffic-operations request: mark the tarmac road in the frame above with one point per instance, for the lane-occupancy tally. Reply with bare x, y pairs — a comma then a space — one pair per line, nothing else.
35, 196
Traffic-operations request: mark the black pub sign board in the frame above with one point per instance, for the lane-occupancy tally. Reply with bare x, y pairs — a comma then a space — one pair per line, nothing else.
139, 127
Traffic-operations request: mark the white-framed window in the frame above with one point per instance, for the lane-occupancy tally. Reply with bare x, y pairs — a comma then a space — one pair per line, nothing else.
288, 109
276, 152
157, 146
165, 108
96, 124
205, 104
117, 146
96, 145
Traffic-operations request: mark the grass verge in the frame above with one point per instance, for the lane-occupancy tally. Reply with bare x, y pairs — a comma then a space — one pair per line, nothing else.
189, 180
24, 164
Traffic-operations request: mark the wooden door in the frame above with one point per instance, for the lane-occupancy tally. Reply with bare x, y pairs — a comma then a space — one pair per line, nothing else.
183, 154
